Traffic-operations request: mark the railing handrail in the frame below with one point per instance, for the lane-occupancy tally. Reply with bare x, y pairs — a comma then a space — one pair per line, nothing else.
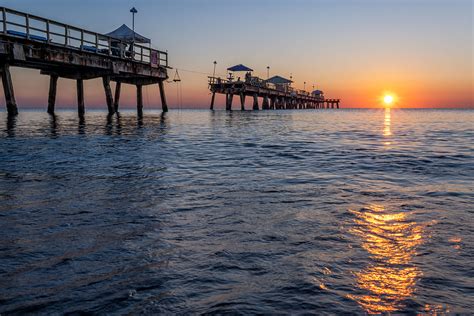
153, 55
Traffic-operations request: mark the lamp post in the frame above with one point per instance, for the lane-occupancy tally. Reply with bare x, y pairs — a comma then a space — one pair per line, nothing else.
268, 72
214, 71
304, 86
133, 11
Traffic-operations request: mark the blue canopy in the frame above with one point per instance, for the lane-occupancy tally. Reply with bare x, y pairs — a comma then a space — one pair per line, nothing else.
239, 67
124, 33
279, 80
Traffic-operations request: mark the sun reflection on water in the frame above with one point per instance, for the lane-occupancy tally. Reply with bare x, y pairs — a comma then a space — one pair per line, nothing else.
387, 123
391, 240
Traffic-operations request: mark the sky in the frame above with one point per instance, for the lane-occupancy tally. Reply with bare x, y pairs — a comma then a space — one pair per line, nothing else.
421, 51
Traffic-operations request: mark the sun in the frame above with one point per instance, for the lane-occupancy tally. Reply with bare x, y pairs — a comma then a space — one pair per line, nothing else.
388, 99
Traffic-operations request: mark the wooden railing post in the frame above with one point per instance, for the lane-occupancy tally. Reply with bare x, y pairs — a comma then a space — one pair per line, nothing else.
4, 15
48, 36
27, 25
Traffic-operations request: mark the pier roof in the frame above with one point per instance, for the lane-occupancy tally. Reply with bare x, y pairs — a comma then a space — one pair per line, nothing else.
124, 33
278, 80
239, 67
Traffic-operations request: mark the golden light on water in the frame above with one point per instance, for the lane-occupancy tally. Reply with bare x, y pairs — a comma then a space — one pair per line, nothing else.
390, 239
387, 123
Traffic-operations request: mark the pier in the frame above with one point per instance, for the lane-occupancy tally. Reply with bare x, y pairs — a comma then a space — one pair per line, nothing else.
276, 92
60, 50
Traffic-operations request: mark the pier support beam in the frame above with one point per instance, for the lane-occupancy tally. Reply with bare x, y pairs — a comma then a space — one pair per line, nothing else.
242, 102
272, 103
164, 105
53, 84
255, 102
139, 100
80, 97
213, 98
265, 105
118, 87
10, 101
229, 99
108, 94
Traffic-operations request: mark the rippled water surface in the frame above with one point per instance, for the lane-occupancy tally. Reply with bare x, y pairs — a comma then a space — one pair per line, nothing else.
314, 211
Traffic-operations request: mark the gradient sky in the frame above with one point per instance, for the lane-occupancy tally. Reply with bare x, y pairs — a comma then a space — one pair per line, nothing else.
420, 50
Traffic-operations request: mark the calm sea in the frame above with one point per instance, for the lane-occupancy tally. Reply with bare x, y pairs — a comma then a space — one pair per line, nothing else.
319, 211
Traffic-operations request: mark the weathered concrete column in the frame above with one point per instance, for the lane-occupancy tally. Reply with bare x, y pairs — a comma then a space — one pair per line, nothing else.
10, 101
230, 98
255, 102
265, 103
139, 100
213, 98
242, 101
80, 97
272, 103
53, 84
164, 105
108, 94
118, 87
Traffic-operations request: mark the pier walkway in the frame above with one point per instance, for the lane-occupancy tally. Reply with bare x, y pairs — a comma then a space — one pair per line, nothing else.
63, 51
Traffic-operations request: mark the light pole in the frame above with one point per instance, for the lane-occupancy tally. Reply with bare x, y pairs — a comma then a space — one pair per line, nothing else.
133, 11
304, 86
214, 72
268, 72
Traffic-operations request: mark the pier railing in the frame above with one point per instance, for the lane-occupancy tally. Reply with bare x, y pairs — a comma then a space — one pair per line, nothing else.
35, 28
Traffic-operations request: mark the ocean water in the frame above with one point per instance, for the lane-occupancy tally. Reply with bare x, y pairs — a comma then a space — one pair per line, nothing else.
317, 211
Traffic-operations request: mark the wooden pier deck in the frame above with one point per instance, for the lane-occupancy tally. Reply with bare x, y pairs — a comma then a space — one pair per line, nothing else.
273, 97
63, 51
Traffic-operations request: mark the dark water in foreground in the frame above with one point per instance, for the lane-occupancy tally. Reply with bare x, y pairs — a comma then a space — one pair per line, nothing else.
190, 212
